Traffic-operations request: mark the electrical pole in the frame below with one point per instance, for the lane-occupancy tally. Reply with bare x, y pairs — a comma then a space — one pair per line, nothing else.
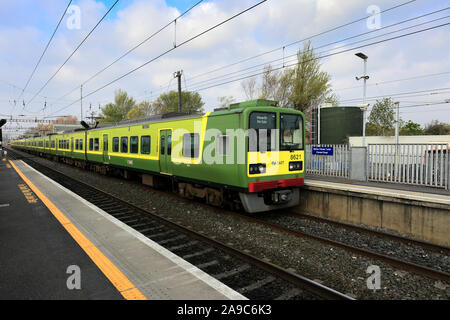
81, 93
178, 75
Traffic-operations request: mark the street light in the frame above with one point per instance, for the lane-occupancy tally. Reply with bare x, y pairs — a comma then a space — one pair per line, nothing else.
364, 106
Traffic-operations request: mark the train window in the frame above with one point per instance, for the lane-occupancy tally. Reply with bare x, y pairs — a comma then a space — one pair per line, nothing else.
76, 144
53, 144
91, 144
145, 144
163, 142
261, 135
224, 143
115, 144
124, 144
169, 144
134, 144
96, 144
291, 132
191, 143
81, 144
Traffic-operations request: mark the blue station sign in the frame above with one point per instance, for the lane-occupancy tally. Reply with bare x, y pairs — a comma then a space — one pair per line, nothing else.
323, 151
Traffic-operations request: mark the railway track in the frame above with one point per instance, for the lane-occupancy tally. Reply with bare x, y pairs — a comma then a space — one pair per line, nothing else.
371, 232
245, 273
393, 261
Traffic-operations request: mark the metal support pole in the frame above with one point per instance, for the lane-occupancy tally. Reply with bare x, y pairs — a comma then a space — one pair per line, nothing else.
364, 106
364, 102
178, 75
397, 132
81, 100
318, 124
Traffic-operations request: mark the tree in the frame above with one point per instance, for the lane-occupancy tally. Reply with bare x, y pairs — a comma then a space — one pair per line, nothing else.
298, 87
381, 118
310, 84
411, 129
225, 101
168, 102
249, 87
143, 109
117, 111
437, 128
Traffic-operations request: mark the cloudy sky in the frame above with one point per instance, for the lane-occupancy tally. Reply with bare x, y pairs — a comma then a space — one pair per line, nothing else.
417, 65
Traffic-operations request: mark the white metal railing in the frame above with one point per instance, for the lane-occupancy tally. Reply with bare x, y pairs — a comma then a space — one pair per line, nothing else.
336, 164
419, 164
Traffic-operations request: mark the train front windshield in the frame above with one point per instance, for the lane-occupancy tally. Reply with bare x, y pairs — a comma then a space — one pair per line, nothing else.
291, 132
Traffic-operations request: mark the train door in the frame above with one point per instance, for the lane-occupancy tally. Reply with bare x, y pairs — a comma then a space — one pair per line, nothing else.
165, 151
105, 148
71, 147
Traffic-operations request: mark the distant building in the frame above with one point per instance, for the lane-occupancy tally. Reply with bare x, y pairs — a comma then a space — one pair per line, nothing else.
357, 141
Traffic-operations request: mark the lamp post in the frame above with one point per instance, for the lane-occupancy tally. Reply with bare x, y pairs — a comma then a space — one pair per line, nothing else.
364, 105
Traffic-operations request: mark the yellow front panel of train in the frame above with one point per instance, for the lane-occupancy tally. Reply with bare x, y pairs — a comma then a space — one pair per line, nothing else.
277, 162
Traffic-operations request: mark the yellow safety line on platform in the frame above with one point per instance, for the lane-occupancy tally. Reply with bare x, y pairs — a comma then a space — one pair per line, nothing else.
117, 278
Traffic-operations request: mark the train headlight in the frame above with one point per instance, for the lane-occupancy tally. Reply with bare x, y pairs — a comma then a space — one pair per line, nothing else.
262, 168
295, 166
257, 168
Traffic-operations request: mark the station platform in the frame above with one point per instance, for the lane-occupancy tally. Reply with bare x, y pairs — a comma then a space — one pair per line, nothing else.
47, 233
401, 191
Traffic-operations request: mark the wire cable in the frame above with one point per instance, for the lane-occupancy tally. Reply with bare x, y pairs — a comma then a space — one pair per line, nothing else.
45, 50
76, 49
130, 50
166, 52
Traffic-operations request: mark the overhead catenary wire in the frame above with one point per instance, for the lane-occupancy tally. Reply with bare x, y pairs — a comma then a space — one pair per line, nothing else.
409, 94
299, 41
131, 50
308, 38
398, 80
167, 52
45, 50
228, 75
76, 49
326, 45
328, 55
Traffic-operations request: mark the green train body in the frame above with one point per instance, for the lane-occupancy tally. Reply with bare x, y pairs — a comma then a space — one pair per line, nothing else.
250, 153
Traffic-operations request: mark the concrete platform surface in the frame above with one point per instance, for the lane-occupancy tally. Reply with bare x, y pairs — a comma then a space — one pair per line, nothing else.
36, 251
155, 272
407, 192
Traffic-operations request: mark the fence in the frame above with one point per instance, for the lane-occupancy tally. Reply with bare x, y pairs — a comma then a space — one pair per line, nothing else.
335, 163
419, 164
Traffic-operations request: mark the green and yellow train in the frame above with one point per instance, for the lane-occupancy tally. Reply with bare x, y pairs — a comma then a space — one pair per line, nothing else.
249, 154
